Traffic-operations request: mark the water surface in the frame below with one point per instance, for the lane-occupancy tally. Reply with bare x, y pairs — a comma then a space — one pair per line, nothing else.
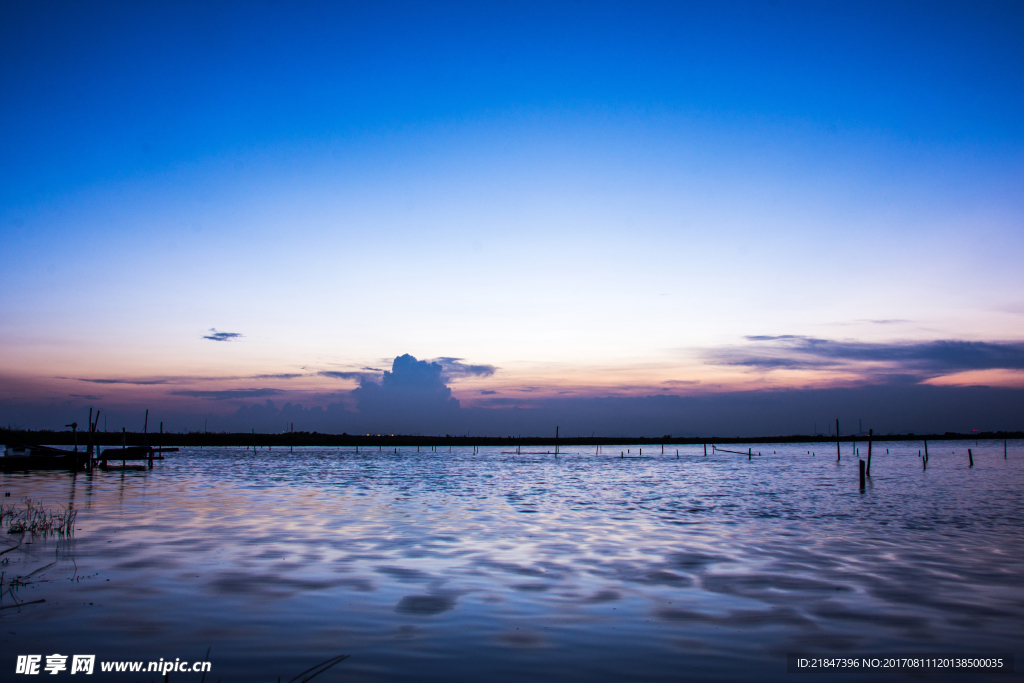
503, 567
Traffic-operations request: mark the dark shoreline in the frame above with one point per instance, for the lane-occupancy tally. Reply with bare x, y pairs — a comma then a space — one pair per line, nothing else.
67, 438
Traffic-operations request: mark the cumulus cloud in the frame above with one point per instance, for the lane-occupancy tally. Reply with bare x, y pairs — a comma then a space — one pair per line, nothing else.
412, 377
412, 397
412, 393
221, 336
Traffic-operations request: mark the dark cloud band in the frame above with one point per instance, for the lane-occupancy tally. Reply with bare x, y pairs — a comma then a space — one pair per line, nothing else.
221, 336
228, 394
343, 375
793, 352
452, 368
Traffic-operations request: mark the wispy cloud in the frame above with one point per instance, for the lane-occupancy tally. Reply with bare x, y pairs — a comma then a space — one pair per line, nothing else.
488, 392
104, 380
872, 321
228, 394
920, 359
337, 374
87, 397
221, 336
178, 379
452, 368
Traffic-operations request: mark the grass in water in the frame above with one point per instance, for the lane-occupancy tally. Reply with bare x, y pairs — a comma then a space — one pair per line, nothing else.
33, 518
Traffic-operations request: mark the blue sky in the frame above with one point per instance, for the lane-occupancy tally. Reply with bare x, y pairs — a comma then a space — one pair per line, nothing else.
595, 199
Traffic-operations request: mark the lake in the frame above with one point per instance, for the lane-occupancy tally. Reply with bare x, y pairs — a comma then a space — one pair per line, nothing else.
497, 566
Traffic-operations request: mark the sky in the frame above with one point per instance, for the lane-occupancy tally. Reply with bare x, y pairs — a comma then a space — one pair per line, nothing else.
726, 218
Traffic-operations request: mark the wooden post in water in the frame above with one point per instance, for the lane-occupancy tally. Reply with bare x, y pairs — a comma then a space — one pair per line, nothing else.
145, 430
92, 433
861, 476
96, 428
839, 454
161, 444
871, 433
88, 448
970, 457
705, 450
748, 454
556, 441
924, 463
926, 450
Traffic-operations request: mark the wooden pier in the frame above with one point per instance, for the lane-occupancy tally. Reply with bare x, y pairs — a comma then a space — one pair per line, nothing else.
22, 457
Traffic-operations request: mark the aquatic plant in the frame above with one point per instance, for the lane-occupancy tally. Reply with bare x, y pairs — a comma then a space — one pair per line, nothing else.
35, 519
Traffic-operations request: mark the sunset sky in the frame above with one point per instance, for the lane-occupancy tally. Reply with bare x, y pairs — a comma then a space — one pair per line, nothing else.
755, 216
